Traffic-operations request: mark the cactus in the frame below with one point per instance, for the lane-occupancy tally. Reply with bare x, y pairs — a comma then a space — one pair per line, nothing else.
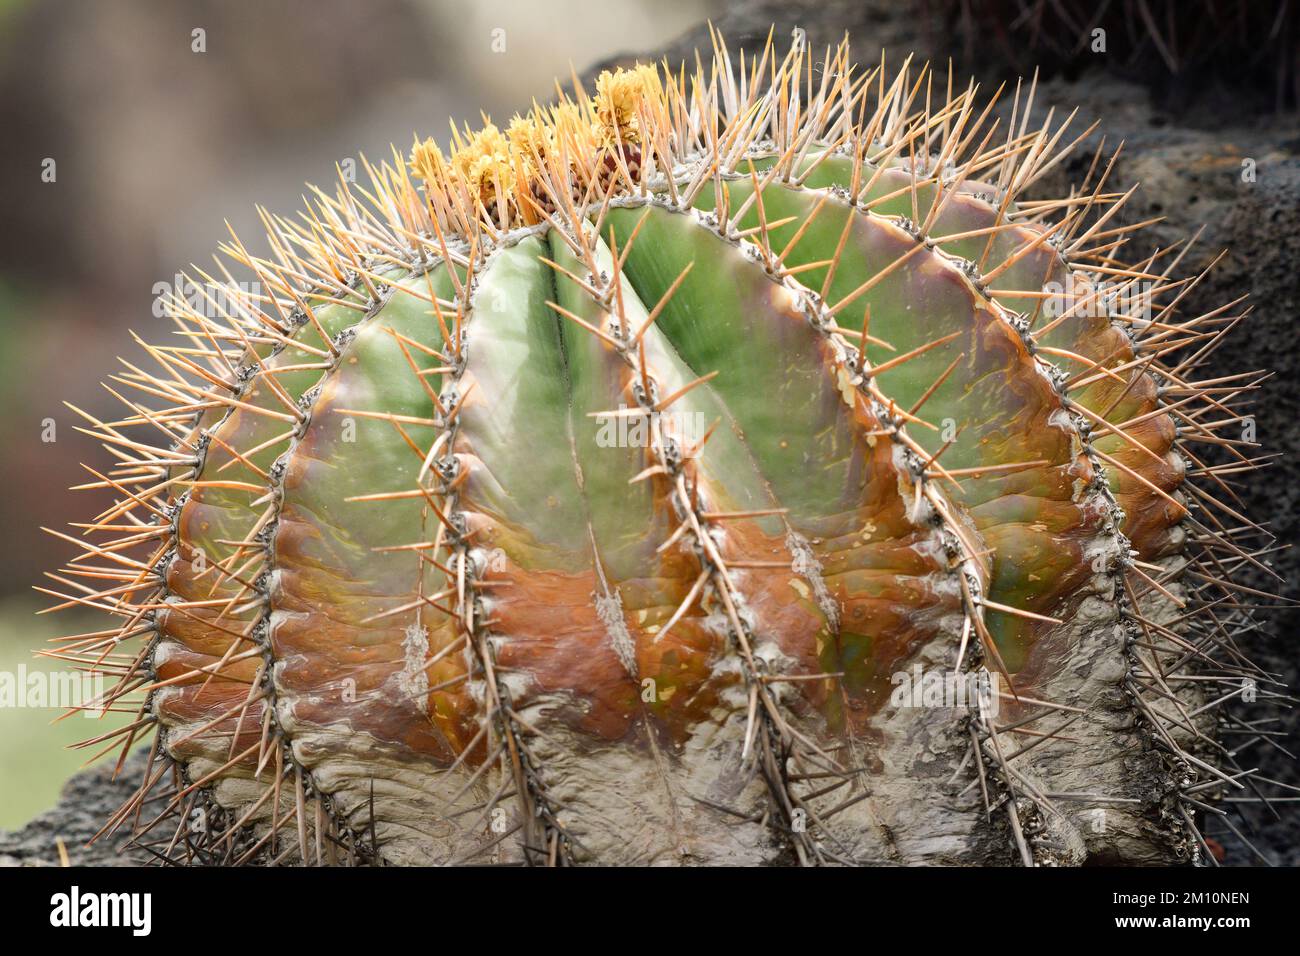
593, 493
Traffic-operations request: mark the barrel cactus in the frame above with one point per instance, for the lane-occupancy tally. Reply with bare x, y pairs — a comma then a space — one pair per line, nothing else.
721, 468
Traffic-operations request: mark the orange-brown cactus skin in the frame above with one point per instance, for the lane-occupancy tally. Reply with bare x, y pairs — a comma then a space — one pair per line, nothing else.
633, 488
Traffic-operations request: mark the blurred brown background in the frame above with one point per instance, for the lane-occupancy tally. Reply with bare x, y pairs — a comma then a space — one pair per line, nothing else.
154, 146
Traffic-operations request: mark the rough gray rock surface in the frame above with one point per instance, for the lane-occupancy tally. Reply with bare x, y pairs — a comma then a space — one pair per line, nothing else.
86, 802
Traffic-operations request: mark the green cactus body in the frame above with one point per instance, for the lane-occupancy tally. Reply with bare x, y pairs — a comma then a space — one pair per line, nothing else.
587, 504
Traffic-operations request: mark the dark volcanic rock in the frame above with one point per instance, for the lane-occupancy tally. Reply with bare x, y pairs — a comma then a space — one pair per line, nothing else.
88, 799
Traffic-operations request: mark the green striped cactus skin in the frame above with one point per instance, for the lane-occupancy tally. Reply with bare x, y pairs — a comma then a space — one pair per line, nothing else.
594, 493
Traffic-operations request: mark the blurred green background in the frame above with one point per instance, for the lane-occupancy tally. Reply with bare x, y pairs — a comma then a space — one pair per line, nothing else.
154, 146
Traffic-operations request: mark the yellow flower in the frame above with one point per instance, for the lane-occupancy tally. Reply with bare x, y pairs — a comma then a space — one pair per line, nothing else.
427, 162
532, 140
483, 162
618, 95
